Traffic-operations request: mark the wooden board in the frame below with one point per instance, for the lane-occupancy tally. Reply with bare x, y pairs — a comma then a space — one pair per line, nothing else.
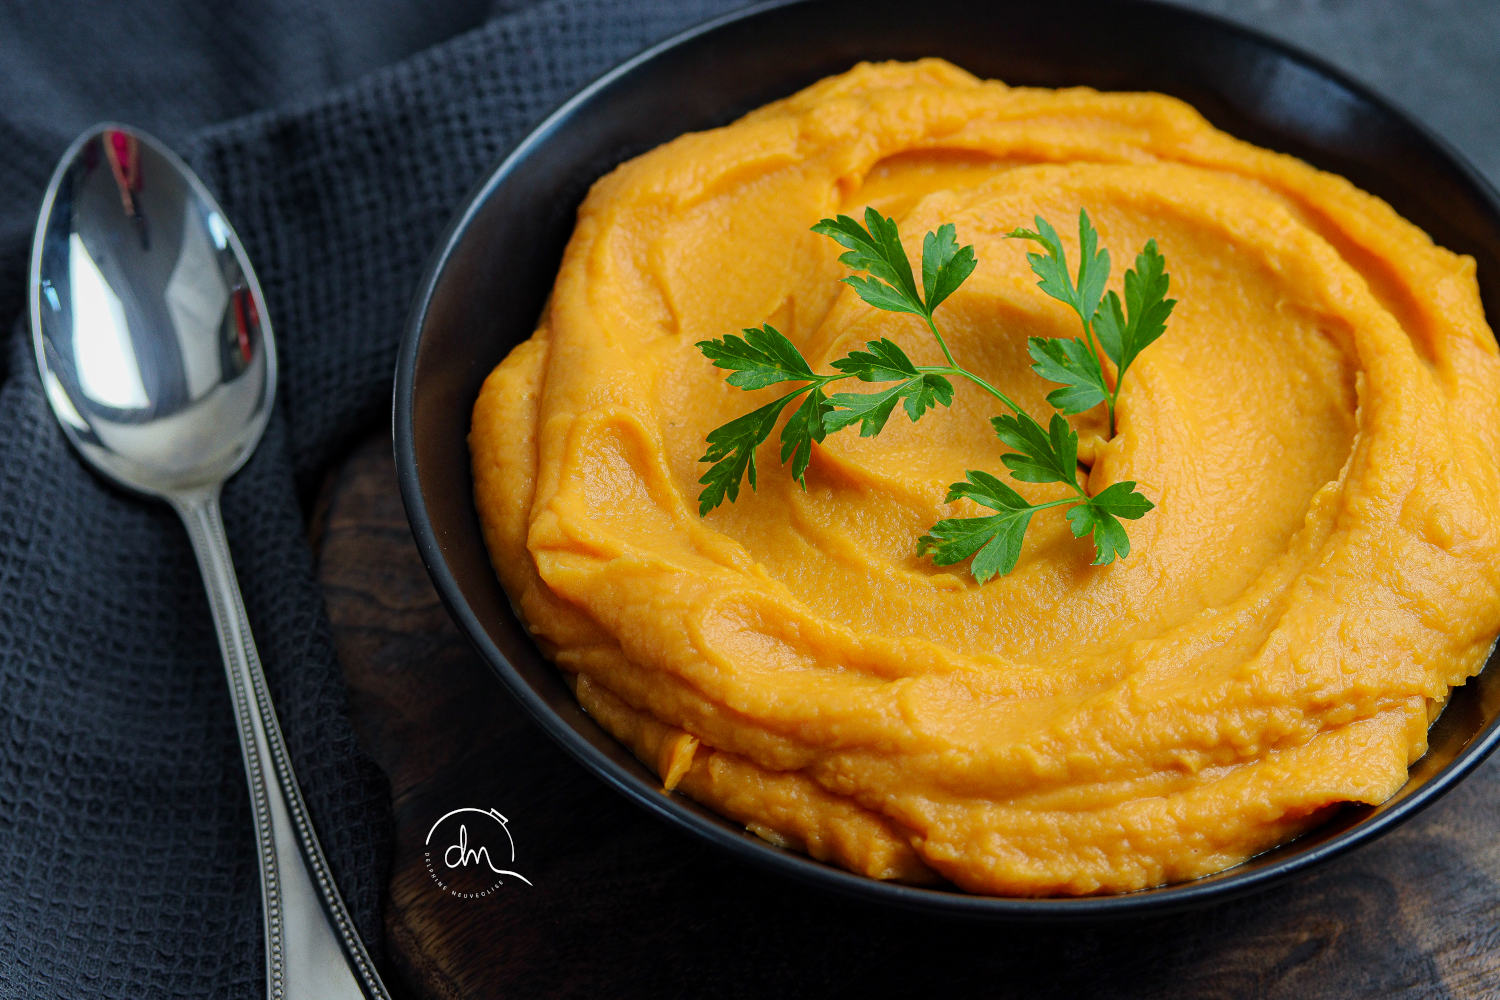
621, 905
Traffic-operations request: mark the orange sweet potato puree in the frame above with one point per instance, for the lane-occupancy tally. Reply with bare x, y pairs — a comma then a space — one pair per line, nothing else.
1318, 428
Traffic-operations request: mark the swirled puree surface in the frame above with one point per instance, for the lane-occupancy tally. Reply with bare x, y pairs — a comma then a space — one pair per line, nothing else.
1318, 428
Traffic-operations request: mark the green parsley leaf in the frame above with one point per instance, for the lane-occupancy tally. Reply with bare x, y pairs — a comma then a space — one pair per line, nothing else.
1124, 333
731, 449
1069, 361
1110, 539
1046, 456
1123, 330
883, 296
802, 428
1100, 514
871, 410
762, 357
1122, 500
881, 361
876, 249
945, 265
1093, 268
1052, 267
993, 540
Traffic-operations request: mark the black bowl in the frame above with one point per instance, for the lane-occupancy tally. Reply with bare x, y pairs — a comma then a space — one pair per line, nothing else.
517, 221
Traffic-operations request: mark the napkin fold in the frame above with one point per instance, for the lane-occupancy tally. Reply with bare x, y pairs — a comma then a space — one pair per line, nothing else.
127, 864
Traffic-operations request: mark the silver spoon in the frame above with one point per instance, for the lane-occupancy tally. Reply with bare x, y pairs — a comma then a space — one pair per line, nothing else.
158, 361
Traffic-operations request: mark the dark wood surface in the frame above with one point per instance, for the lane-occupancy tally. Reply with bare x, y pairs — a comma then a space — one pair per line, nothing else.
621, 905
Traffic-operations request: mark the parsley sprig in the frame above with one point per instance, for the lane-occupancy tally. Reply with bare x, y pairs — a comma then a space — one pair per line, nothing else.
764, 357
1109, 330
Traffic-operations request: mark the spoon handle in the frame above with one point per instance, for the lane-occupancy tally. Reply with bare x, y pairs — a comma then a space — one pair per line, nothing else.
312, 948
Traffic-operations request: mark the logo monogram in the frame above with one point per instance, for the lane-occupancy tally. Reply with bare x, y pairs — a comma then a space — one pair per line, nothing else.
467, 843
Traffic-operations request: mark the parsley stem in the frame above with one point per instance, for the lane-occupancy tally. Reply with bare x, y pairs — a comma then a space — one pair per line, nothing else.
817, 382
1098, 352
953, 368
944, 345
822, 380
965, 373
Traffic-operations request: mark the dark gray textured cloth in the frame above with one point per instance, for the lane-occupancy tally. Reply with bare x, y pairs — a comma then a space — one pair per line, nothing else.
127, 866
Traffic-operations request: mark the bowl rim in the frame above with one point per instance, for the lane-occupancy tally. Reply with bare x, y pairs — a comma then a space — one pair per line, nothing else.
945, 900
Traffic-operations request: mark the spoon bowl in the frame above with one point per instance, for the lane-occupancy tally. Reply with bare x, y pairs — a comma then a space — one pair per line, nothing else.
149, 326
